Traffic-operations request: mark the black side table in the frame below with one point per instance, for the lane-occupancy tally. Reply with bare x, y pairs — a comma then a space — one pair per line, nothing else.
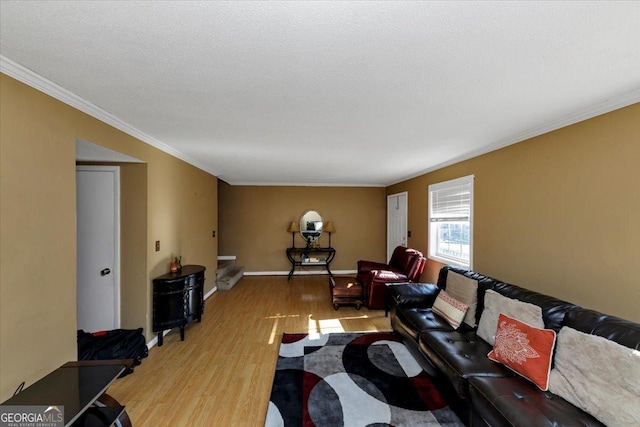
310, 257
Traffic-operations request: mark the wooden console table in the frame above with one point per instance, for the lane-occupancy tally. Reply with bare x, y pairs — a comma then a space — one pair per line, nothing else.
178, 299
310, 257
81, 388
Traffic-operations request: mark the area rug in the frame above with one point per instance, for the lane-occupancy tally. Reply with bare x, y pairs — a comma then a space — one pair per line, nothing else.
352, 380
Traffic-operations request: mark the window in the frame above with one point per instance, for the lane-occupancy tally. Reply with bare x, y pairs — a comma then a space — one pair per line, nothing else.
451, 221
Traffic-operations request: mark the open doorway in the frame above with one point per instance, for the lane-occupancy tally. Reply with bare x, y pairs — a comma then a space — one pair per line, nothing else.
131, 267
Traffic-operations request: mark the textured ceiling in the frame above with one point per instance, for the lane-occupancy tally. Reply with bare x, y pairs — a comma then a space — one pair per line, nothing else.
331, 93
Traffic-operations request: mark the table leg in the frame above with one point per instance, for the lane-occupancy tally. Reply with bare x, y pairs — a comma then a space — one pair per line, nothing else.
105, 400
160, 336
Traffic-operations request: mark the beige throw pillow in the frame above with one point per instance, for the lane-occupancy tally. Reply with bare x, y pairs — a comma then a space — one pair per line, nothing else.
450, 309
599, 376
494, 304
464, 290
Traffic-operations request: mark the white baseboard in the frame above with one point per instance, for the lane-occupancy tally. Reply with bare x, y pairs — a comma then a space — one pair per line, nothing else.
298, 273
226, 257
154, 341
208, 294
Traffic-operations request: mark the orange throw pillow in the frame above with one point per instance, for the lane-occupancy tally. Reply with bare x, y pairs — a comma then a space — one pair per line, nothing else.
524, 349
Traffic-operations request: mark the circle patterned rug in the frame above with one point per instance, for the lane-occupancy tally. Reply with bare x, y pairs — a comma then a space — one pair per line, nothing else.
353, 380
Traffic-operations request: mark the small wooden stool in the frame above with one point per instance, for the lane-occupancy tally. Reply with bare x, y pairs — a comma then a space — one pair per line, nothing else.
345, 290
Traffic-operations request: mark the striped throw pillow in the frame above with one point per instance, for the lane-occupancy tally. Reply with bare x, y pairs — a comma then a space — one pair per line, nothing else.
450, 309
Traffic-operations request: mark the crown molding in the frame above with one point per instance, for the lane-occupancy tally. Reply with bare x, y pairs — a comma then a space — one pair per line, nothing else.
36, 81
48, 87
301, 184
612, 104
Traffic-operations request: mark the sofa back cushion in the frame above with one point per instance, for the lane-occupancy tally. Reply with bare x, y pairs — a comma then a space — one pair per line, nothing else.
597, 375
553, 309
622, 331
464, 289
484, 283
496, 304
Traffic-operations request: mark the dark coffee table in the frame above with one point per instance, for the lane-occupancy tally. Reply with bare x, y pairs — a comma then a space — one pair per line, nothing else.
80, 387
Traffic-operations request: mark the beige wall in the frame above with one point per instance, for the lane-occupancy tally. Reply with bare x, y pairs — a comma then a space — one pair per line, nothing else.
37, 224
559, 213
133, 245
254, 220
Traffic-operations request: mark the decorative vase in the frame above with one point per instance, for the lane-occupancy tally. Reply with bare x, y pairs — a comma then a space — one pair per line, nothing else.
173, 267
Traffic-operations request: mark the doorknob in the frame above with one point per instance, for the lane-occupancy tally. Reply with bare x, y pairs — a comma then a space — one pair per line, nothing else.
105, 272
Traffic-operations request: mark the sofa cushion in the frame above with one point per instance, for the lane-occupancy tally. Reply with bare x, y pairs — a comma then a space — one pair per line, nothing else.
516, 402
450, 309
484, 283
459, 355
598, 375
494, 304
622, 331
553, 309
412, 321
524, 349
464, 290
413, 294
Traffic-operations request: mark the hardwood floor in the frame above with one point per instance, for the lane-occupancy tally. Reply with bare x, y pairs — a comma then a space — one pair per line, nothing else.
221, 374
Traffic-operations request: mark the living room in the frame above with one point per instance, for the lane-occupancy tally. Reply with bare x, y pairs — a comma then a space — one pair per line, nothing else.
556, 212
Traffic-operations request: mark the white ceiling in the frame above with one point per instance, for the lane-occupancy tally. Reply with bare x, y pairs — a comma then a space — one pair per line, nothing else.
328, 93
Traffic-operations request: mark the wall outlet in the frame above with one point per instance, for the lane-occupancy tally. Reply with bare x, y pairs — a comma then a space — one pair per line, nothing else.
213, 233
157, 245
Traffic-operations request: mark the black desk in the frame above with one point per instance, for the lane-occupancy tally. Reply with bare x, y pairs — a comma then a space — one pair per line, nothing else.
310, 257
81, 388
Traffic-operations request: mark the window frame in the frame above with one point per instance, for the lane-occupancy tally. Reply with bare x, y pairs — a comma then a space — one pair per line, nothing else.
431, 225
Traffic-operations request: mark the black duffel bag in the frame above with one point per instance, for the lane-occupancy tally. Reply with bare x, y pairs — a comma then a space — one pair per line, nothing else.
114, 344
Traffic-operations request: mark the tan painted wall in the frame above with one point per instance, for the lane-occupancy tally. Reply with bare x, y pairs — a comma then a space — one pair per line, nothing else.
133, 245
37, 225
559, 213
254, 221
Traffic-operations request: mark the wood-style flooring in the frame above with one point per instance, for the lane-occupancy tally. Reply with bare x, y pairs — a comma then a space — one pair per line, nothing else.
221, 374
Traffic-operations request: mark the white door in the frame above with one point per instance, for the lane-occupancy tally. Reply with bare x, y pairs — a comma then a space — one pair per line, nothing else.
98, 235
396, 222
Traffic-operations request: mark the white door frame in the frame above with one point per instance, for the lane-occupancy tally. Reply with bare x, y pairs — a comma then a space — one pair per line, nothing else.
406, 194
115, 269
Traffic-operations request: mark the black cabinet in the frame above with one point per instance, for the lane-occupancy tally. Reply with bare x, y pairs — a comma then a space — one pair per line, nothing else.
178, 299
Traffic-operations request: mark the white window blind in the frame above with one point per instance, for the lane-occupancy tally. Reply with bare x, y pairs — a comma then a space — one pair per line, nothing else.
450, 221
451, 202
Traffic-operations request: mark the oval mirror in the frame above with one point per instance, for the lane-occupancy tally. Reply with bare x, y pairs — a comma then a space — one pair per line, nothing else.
310, 226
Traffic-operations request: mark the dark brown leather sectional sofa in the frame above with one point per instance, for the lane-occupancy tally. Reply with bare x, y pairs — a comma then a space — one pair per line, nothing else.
484, 392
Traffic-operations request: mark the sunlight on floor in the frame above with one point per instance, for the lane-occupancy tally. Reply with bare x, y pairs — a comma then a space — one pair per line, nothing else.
325, 326
274, 329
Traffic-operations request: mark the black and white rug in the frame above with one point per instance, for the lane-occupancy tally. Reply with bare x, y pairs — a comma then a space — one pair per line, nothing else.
352, 380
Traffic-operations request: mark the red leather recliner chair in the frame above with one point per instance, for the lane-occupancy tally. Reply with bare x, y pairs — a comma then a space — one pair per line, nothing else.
405, 265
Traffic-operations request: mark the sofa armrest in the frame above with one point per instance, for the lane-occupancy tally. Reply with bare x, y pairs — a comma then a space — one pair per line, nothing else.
388, 276
413, 295
366, 266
